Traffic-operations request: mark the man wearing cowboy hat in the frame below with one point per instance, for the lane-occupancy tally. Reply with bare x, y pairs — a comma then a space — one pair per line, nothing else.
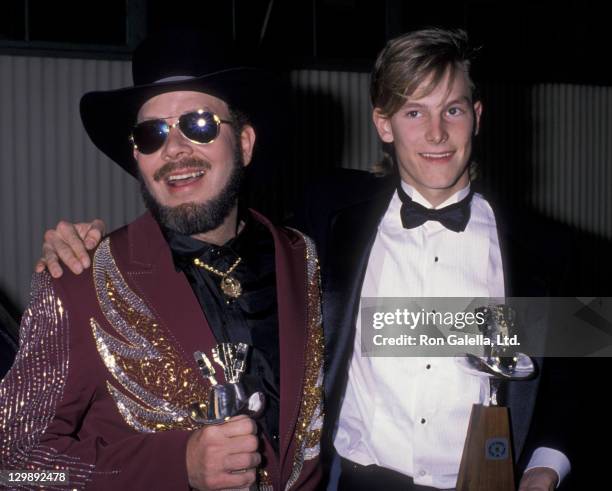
116, 368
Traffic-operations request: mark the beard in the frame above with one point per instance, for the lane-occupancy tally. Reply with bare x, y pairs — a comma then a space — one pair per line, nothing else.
196, 218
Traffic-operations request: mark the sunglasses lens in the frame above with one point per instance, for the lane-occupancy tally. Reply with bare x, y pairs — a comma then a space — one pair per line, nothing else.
200, 127
149, 136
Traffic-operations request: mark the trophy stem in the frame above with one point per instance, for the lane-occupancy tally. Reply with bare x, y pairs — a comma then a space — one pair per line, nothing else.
494, 384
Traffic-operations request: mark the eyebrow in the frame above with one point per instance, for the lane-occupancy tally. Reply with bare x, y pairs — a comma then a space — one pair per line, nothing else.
412, 105
459, 100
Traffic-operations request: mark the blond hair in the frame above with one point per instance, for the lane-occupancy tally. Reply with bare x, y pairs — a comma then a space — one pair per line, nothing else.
411, 59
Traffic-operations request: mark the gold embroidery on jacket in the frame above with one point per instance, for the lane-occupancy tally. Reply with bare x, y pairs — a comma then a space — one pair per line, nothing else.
144, 361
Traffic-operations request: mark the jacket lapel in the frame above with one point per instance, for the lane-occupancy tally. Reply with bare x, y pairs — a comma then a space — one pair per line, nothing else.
530, 257
152, 274
352, 233
291, 288
527, 273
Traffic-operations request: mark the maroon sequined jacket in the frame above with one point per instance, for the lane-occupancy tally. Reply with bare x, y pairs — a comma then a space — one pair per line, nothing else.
105, 371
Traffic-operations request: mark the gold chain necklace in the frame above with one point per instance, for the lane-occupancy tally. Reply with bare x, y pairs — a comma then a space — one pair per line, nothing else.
229, 286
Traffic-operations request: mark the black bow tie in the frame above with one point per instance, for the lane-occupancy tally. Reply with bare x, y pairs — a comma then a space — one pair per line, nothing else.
454, 217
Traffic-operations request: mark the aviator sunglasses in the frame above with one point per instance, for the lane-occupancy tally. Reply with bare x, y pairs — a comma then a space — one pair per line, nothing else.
199, 127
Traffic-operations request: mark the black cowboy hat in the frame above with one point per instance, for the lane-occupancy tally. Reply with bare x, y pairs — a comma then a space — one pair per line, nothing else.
166, 62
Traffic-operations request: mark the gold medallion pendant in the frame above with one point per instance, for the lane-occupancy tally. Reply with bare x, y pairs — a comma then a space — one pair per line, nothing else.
230, 286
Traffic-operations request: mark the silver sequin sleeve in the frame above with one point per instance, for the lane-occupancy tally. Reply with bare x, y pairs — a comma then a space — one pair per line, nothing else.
54, 403
33, 388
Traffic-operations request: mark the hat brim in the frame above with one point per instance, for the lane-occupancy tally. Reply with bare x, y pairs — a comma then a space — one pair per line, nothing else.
109, 116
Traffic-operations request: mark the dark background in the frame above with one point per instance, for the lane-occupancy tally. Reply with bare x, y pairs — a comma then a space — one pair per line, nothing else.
521, 43
530, 41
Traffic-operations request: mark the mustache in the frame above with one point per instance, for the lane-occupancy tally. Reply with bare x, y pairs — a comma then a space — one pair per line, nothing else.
190, 163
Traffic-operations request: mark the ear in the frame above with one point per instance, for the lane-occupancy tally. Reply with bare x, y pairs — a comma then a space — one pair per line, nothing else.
383, 125
247, 143
477, 114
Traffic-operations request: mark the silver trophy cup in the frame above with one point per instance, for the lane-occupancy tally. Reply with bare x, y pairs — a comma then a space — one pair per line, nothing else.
230, 398
499, 362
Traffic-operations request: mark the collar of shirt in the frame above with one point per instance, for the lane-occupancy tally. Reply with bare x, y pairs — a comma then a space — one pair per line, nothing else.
418, 197
185, 248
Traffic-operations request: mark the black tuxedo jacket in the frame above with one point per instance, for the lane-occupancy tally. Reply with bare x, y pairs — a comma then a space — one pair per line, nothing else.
342, 215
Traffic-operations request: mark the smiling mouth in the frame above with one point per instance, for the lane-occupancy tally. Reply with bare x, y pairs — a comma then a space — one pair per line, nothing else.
184, 178
437, 156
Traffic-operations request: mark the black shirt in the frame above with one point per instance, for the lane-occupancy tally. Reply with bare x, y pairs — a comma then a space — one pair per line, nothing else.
251, 318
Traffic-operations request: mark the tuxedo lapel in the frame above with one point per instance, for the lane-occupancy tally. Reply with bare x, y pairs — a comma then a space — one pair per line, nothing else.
352, 233
526, 259
529, 256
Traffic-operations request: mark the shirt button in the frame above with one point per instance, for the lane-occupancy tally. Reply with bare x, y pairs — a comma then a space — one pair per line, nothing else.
422, 473
436, 259
428, 366
423, 421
